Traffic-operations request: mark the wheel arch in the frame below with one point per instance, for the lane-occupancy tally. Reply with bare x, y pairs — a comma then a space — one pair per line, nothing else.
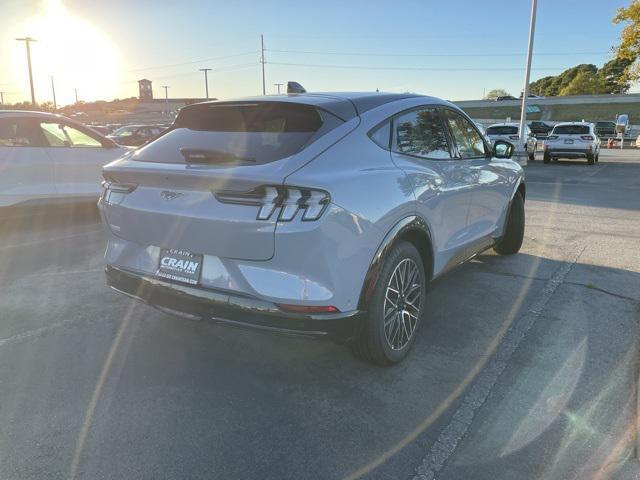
413, 229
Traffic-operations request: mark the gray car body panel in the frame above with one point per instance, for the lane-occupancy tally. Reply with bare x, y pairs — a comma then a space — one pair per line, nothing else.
461, 203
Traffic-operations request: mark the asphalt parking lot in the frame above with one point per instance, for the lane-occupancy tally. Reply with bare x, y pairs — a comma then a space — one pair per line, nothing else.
526, 368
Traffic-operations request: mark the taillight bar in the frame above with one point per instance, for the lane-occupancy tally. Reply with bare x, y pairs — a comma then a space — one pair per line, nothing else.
118, 187
289, 200
587, 137
514, 137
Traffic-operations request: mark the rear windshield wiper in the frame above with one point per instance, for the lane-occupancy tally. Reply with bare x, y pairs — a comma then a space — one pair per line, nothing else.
208, 157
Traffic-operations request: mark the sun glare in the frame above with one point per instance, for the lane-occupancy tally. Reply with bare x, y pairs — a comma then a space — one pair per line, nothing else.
76, 53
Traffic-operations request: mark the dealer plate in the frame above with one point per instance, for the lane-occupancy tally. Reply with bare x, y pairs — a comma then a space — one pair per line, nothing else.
180, 265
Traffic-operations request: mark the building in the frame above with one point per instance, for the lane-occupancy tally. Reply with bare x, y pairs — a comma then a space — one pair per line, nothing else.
145, 90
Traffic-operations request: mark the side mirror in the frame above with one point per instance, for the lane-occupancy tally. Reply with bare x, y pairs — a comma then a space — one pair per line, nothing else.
502, 149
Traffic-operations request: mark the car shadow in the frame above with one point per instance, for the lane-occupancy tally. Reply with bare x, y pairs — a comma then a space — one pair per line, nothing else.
260, 389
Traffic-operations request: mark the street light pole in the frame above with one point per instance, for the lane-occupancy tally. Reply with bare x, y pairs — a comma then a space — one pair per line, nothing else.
278, 85
206, 81
527, 75
53, 90
1, 98
166, 98
264, 89
76, 92
27, 41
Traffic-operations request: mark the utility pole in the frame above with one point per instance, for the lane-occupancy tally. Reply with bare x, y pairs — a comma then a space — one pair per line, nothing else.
264, 90
53, 90
527, 75
206, 81
166, 98
278, 85
76, 92
27, 41
1, 98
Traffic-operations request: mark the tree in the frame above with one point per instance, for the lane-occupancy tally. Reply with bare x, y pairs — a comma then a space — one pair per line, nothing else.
613, 75
495, 93
629, 48
584, 83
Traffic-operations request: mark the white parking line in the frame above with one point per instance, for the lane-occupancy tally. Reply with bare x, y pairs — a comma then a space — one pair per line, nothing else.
453, 433
37, 332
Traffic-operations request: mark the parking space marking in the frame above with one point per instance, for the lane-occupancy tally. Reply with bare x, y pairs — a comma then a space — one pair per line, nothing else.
595, 171
38, 331
455, 431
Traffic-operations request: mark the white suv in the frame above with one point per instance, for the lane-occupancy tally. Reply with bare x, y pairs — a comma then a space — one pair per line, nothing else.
510, 132
46, 158
572, 140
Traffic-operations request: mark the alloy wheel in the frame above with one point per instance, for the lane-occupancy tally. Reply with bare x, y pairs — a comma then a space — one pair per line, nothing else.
402, 302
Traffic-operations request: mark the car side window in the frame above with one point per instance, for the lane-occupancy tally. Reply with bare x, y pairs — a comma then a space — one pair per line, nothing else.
469, 142
18, 132
421, 133
381, 135
61, 135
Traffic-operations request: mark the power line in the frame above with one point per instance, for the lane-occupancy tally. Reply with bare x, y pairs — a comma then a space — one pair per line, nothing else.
435, 69
192, 73
210, 59
367, 54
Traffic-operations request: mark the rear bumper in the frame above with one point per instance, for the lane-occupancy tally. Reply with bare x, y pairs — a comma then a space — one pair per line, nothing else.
568, 152
231, 309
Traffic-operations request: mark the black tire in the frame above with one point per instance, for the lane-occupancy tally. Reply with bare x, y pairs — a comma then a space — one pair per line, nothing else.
511, 242
532, 156
373, 344
546, 158
597, 157
591, 159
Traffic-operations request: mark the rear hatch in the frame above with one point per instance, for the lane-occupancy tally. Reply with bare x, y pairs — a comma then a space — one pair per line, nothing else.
571, 136
202, 185
508, 133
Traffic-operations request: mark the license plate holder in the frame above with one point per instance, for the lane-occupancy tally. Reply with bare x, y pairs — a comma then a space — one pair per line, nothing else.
180, 265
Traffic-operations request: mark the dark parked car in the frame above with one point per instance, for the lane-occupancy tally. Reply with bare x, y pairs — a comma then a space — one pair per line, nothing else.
540, 129
606, 129
135, 135
505, 97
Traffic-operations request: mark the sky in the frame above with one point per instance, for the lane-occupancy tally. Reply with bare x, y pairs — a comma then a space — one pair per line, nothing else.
453, 49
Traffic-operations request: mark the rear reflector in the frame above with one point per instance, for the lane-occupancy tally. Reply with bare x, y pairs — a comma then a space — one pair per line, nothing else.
307, 308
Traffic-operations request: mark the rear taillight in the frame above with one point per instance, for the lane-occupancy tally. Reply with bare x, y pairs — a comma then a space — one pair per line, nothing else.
288, 200
587, 137
552, 137
118, 187
514, 137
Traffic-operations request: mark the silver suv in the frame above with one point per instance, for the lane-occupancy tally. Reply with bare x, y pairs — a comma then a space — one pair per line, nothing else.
311, 214
510, 132
572, 140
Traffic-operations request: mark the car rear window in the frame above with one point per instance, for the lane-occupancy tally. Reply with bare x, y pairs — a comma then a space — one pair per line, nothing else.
242, 133
571, 130
502, 130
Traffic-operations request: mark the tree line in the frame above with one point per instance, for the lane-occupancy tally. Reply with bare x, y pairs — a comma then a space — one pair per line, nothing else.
614, 77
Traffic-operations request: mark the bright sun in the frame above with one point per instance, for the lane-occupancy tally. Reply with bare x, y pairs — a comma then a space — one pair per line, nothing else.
76, 53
